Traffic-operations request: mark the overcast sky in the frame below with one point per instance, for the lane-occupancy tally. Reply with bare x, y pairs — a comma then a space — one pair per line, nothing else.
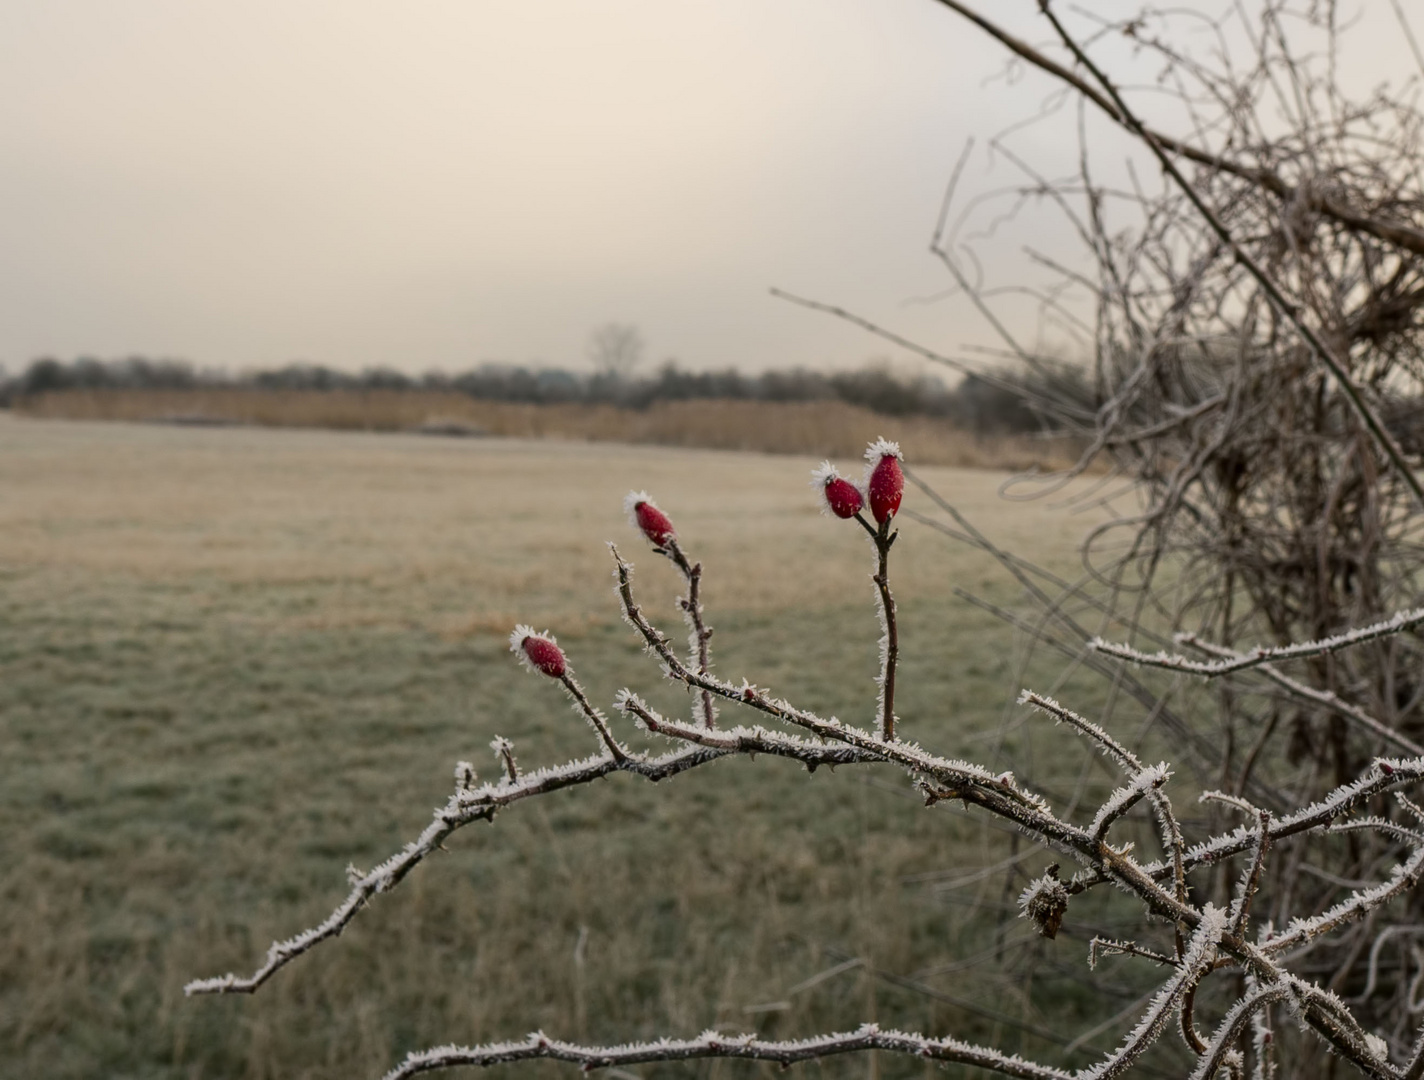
441, 183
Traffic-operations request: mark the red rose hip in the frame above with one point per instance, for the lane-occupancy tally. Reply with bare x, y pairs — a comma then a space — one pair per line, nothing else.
885, 482
842, 498
538, 652
645, 516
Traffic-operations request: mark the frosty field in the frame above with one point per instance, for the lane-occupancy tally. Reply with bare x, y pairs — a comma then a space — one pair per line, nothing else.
233, 661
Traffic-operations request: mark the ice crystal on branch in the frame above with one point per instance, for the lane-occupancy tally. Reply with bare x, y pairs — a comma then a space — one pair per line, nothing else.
1205, 932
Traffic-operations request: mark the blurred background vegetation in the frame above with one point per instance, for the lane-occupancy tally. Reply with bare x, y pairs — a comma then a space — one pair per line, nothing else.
974, 404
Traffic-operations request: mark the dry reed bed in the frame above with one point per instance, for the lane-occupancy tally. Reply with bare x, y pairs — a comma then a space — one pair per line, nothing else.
829, 428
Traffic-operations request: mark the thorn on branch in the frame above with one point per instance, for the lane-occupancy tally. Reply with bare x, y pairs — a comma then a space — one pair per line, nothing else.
465, 775
504, 751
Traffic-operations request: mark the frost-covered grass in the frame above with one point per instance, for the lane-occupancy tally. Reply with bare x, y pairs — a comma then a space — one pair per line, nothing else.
233, 662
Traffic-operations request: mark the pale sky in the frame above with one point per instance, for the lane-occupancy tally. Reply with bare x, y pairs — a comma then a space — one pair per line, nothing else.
441, 183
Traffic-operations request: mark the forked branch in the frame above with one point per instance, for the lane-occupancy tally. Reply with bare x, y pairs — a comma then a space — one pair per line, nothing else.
1208, 937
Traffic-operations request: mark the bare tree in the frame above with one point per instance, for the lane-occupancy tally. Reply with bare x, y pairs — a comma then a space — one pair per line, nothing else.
616, 349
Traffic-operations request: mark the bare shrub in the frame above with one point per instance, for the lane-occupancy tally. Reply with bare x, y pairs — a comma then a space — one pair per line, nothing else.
1258, 372
1191, 936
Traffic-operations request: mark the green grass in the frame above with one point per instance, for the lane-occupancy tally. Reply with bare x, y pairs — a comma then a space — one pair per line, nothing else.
197, 747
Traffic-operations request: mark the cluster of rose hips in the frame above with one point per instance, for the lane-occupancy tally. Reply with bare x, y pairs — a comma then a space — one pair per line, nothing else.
882, 488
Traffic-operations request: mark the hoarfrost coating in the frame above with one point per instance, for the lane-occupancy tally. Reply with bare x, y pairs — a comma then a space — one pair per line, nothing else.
1210, 935
538, 652
884, 481
839, 497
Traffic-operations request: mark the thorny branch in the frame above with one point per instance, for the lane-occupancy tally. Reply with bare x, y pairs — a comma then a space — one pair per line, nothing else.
1261, 655
1208, 937
714, 1044
701, 633
1257, 382
882, 538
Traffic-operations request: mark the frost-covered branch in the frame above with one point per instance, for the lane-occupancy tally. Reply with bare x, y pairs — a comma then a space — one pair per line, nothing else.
713, 1044
464, 807
1388, 774
646, 516
742, 739
1237, 661
1196, 960
1404, 876
881, 492
1100, 945
1232, 1025
1172, 841
884, 487
1206, 937
996, 792
1251, 879
1125, 798
1299, 689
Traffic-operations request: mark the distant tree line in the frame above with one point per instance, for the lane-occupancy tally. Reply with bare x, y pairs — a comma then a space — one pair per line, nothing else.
1005, 405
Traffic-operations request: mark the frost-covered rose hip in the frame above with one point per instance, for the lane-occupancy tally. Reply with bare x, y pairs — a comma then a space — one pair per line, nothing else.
538, 652
644, 515
884, 482
841, 497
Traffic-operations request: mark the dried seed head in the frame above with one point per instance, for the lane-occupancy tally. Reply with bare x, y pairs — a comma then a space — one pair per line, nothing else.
841, 497
644, 515
1044, 901
884, 481
538, 652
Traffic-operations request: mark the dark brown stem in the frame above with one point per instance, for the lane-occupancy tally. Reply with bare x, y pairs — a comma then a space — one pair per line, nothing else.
883, 538
692, 607
1416, 1061
594, 717
1253, 877
506, 756
1189, 1027
1127, 948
